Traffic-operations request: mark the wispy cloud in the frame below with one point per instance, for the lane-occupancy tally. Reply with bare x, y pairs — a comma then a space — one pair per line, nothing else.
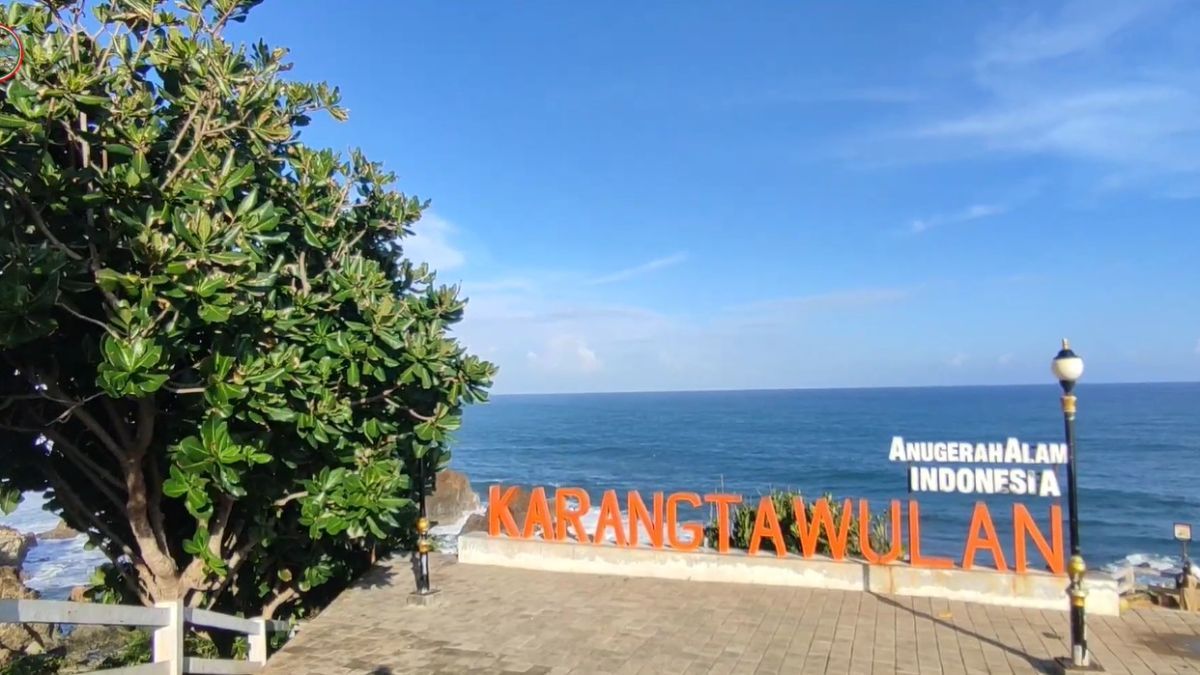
431, 243
958, 360
1107, 85
565, 353
806, 94
1080, 26
966, 215
639, 270
832, 300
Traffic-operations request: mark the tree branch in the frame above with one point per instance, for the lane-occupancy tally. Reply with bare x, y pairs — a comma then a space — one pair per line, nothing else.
280, 595
103, 479
118, 421
41, 225
157, 558
185, 390
85, 417
66, 496
198, 139
290, 498
147, 412
83, 317
155, 505
194, 574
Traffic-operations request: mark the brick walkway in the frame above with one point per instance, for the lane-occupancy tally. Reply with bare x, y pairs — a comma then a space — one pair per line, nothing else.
498, 620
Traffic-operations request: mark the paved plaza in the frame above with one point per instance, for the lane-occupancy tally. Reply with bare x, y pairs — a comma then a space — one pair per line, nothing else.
506, 621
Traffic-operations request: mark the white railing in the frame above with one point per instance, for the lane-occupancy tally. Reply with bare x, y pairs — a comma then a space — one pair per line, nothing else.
168, 620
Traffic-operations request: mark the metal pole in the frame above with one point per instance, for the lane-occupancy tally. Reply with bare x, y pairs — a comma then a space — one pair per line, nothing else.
1076, 568
422, 534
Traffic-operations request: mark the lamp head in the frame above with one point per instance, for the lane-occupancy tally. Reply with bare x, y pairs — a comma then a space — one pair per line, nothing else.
1067, 367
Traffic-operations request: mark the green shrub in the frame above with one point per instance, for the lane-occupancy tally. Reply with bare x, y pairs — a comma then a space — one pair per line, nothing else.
218, 361
743, 517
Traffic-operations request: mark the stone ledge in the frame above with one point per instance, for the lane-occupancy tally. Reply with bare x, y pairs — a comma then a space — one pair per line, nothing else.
1036, 590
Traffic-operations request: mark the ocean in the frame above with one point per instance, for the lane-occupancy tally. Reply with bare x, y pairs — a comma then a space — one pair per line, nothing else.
1138, 450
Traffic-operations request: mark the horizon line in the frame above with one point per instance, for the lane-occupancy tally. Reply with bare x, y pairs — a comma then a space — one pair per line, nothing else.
747, 390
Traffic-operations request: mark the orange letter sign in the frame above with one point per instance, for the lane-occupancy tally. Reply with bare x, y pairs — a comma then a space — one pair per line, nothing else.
723, 503
565, 516
695, 530
766, 524
822, 517
538, 515
1023, 524
610, 517
864, 536
982, 518
498, 513
638, 514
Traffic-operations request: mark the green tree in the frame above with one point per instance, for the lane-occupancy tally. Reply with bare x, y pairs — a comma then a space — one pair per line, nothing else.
215, 356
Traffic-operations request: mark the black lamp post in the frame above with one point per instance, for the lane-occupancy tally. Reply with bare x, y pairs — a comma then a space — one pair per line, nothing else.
1067, 368
422, 532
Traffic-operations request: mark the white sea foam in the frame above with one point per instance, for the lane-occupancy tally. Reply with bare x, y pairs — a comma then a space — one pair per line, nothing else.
1151, 568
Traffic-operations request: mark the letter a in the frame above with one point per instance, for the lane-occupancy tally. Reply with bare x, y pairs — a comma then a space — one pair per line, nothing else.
538, 516
766, 524
982, 518
610, 517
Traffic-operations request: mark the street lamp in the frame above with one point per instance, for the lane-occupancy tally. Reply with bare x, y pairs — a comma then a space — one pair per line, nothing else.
1067, 368
423, 545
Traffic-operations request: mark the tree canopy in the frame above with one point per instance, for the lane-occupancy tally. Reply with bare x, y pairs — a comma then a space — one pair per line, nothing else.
216, 357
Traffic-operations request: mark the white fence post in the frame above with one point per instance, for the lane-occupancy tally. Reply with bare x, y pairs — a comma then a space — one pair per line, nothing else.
168, 640
258, 642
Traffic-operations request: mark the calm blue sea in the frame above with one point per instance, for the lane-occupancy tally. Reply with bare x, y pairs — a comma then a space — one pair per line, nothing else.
1139, 450
1139, 453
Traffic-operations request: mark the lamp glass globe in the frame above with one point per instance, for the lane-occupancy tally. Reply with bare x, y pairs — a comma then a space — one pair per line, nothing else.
1067, 369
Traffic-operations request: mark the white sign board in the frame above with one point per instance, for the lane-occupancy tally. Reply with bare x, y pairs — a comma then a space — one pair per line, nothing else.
1026, 469
1183, 531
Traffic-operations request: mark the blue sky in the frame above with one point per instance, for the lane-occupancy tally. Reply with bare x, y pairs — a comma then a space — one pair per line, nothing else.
694, 195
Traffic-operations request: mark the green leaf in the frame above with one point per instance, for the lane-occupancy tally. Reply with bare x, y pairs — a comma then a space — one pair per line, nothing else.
214, 314
119, 150
10, 498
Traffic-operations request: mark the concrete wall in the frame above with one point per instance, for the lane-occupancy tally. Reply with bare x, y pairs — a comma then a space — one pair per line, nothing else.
1035, 589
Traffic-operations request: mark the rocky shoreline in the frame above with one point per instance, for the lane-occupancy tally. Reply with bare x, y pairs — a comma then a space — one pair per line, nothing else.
83, 648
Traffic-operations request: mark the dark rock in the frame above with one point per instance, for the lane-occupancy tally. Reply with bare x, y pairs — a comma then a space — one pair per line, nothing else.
60, 531
476, 523
452, 499
519, 506
14, 546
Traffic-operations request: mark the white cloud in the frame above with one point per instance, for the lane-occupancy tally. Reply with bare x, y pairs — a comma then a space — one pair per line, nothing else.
639, 270
565, 354
1081, 26
958, 360
832, 300
1005, 359
972, 212
1110, 86
431, 243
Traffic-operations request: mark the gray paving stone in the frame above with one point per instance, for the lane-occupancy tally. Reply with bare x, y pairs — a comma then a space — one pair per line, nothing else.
499, 620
